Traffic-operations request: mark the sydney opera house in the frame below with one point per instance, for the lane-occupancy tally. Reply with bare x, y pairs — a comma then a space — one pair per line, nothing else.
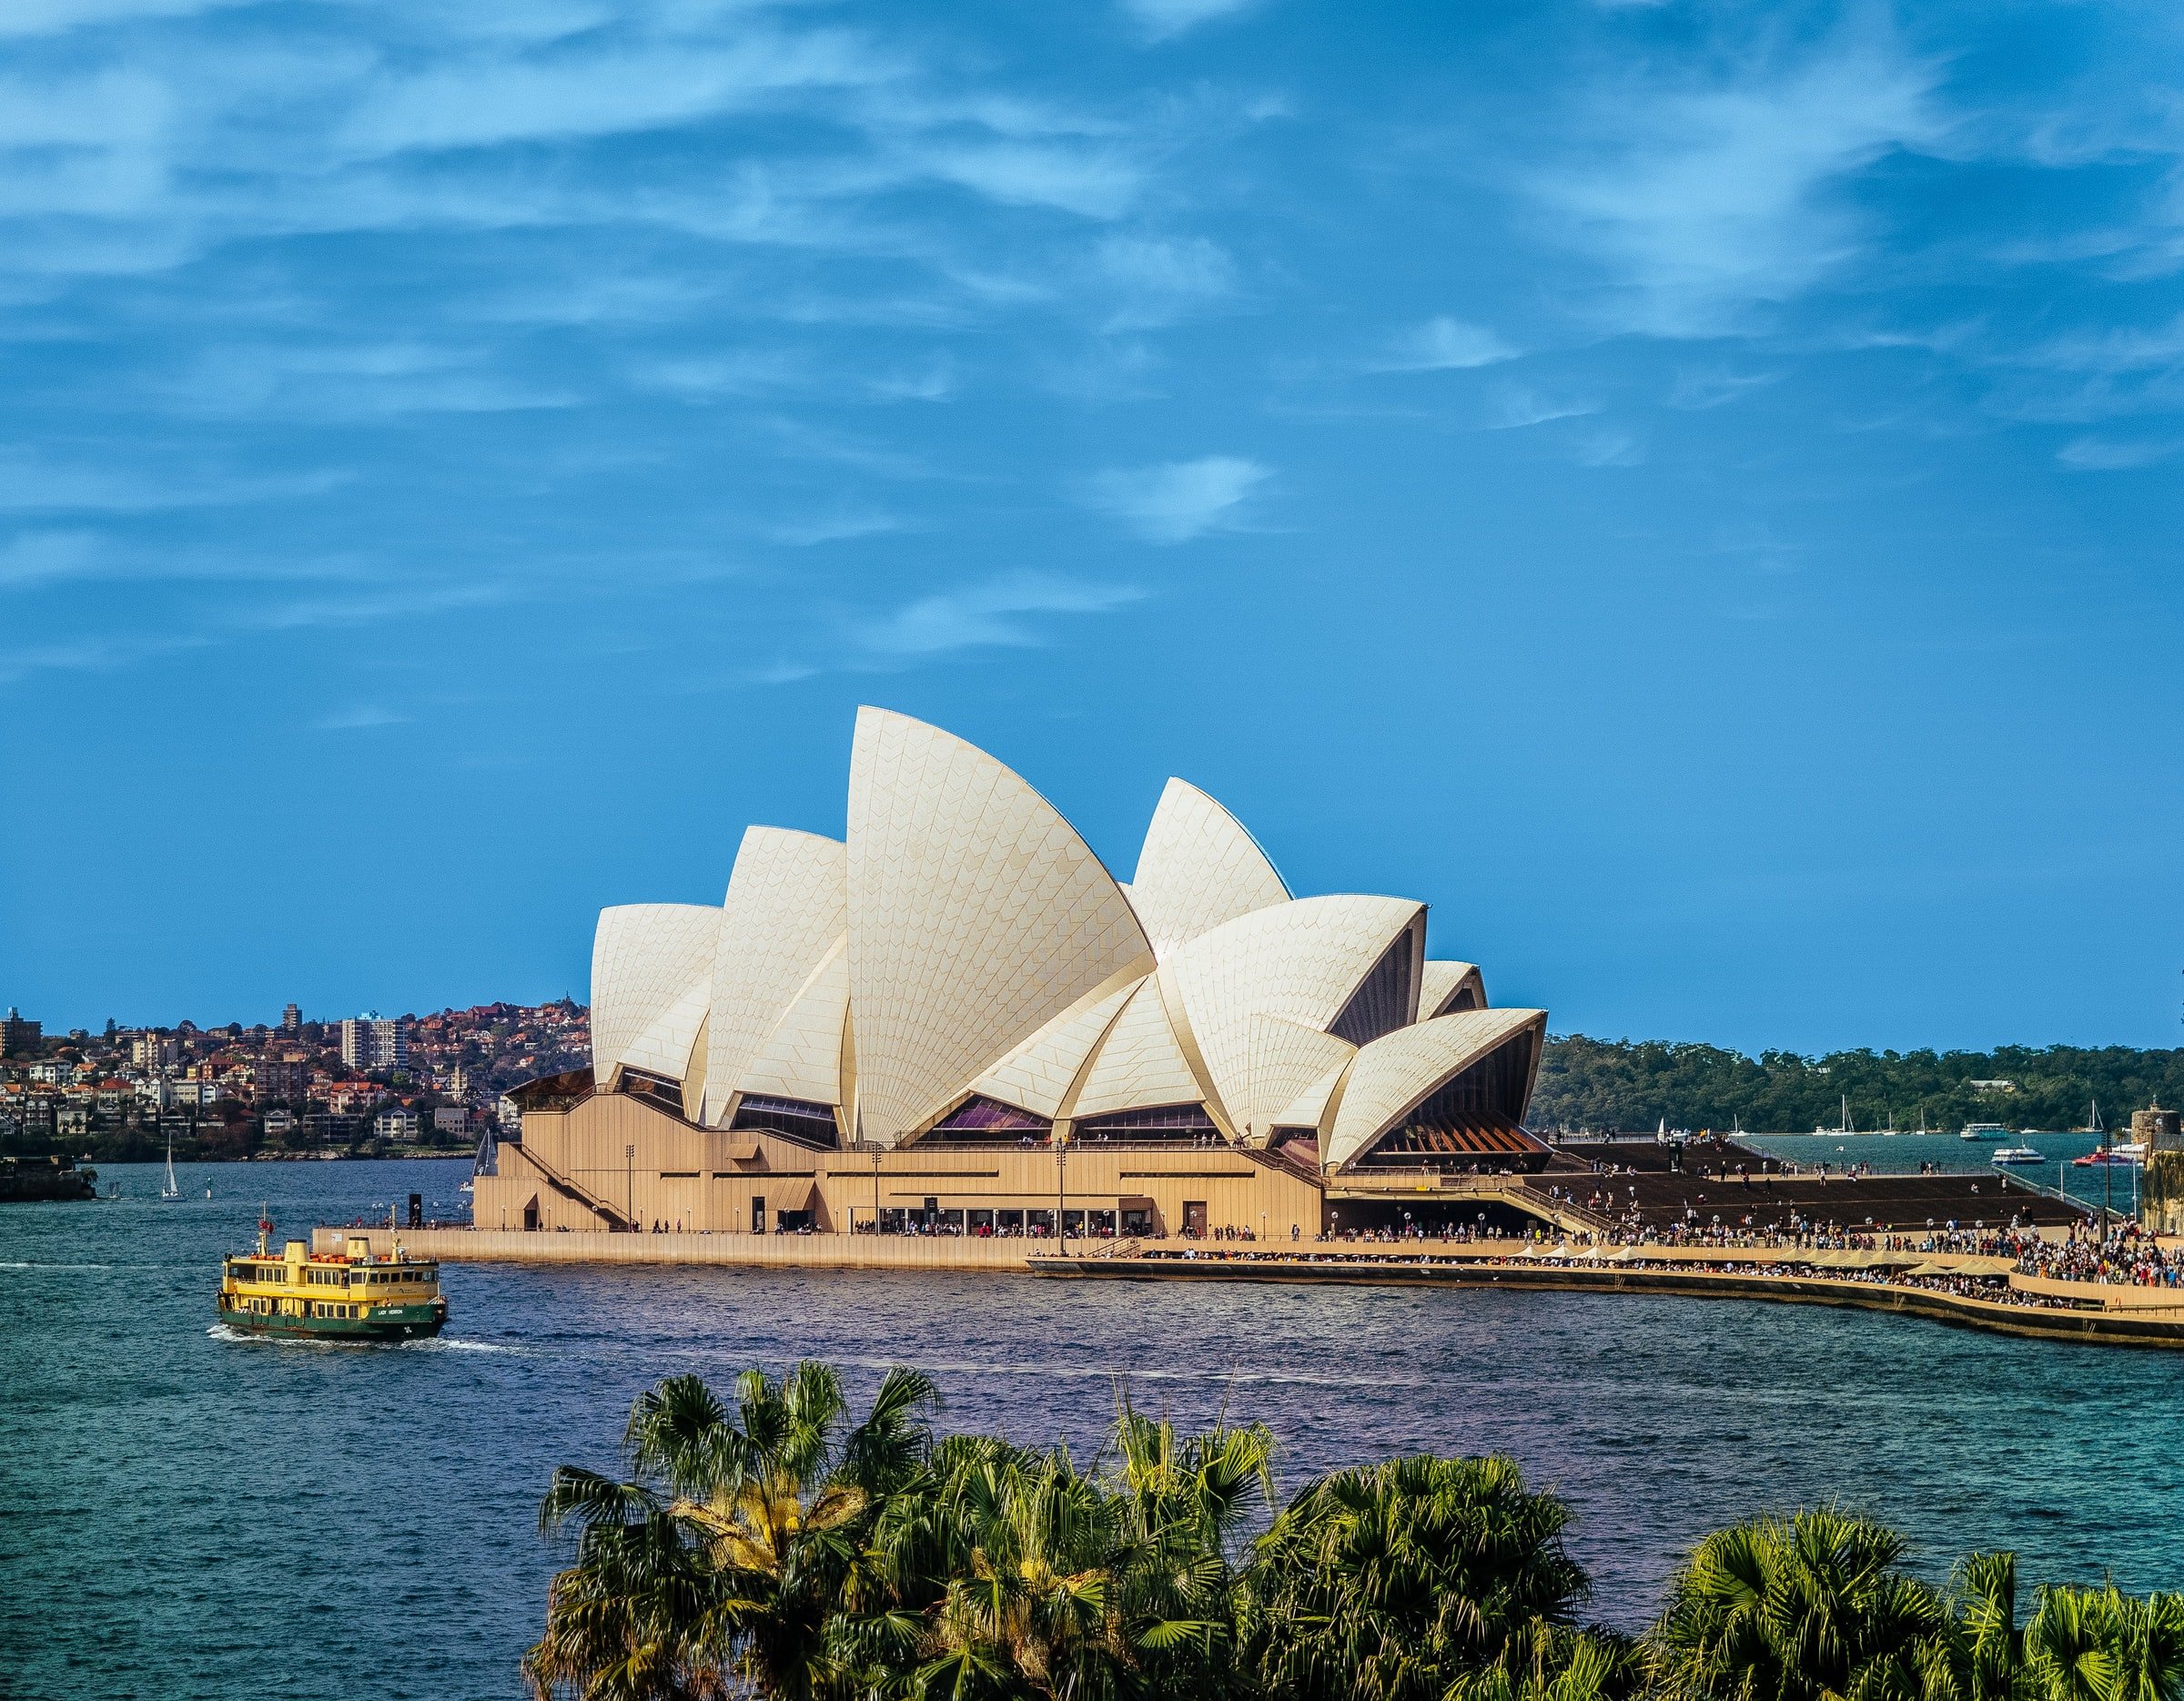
956, 1020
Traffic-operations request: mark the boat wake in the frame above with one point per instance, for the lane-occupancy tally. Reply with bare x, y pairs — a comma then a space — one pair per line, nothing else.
17, 1264
444, 1344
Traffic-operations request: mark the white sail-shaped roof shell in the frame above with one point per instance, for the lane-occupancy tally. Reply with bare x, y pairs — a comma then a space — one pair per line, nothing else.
1396, 1073
802, 1057
977, 915
1442, 985
1260, 993
1141, 1065
646, 961
1038, 1074
669, 1040
787, 908
1198, 869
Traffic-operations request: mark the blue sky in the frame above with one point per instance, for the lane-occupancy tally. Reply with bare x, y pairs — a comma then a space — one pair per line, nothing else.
1690, 491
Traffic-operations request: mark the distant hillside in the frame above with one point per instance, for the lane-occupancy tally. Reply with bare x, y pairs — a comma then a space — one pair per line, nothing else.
1631, 1084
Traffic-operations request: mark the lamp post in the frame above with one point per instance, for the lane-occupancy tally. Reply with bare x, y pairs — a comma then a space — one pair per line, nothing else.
1061, 1192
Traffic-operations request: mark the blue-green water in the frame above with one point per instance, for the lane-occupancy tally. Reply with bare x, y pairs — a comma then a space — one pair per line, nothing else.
186, 1515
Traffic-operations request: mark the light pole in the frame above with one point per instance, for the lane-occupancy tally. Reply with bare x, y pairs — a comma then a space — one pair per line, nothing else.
1061, 1193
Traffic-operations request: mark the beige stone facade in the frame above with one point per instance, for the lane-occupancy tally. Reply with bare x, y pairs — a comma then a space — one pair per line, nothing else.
614, 1160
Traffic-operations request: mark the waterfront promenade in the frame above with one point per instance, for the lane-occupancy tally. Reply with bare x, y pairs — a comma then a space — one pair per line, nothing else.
1983, 1288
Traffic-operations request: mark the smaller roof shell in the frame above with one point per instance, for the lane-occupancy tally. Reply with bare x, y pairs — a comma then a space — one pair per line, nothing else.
1396, 1073
1441, 985
645, 958
1198, 868
1260, 993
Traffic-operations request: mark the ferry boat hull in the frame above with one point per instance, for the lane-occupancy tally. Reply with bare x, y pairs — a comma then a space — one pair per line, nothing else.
408, 1323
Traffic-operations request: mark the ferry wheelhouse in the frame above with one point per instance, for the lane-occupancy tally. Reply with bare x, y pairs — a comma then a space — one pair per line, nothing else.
350, 1295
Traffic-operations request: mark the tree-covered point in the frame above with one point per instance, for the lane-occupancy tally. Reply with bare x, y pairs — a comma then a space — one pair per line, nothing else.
769, 1547
1633, 1086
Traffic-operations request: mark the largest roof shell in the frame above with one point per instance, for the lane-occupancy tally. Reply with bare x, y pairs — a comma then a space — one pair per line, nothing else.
976, 915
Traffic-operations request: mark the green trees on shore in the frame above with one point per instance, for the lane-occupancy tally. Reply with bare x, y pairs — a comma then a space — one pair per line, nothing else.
1635, 1085
768, 1545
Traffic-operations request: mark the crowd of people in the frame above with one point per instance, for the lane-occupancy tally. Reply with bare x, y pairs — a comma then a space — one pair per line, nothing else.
2126, 1255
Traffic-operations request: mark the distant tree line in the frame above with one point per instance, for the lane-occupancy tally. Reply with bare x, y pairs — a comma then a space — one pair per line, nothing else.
1633, 1086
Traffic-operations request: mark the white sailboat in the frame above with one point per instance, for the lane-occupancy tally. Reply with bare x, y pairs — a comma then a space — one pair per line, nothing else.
1838, 1132
487, 1162
170, 1188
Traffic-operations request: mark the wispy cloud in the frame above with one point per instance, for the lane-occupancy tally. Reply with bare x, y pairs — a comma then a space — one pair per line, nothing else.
2102, 454
1179, 500
1159, 280
37, 485
836, 526
1445, 344
359, 717
360, 381
601, 92
1700, 203
92, 654
1513, 410
1158, 20
995, 612
53, 17
1609, 448
36, 558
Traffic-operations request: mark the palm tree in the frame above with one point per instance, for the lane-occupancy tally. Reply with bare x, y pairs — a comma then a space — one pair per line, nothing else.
724, 1565
1989, 1642
1415, 1578
1795, 1609
2149, 1645
2100, 1645
1048, 1581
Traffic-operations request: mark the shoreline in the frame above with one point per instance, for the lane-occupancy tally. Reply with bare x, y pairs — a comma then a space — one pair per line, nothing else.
2102, 1313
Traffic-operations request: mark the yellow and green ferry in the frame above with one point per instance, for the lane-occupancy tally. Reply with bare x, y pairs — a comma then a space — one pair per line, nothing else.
350, 1295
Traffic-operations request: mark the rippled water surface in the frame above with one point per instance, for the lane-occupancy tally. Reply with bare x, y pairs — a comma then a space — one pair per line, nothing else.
189, 1516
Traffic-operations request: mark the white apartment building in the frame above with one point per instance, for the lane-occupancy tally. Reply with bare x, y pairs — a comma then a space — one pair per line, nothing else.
375, 1042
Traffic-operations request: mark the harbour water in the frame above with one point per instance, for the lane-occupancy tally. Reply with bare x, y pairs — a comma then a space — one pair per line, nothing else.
185, 1513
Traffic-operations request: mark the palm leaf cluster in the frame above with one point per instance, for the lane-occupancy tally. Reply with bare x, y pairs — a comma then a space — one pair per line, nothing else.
1816, 1607
766, 1545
